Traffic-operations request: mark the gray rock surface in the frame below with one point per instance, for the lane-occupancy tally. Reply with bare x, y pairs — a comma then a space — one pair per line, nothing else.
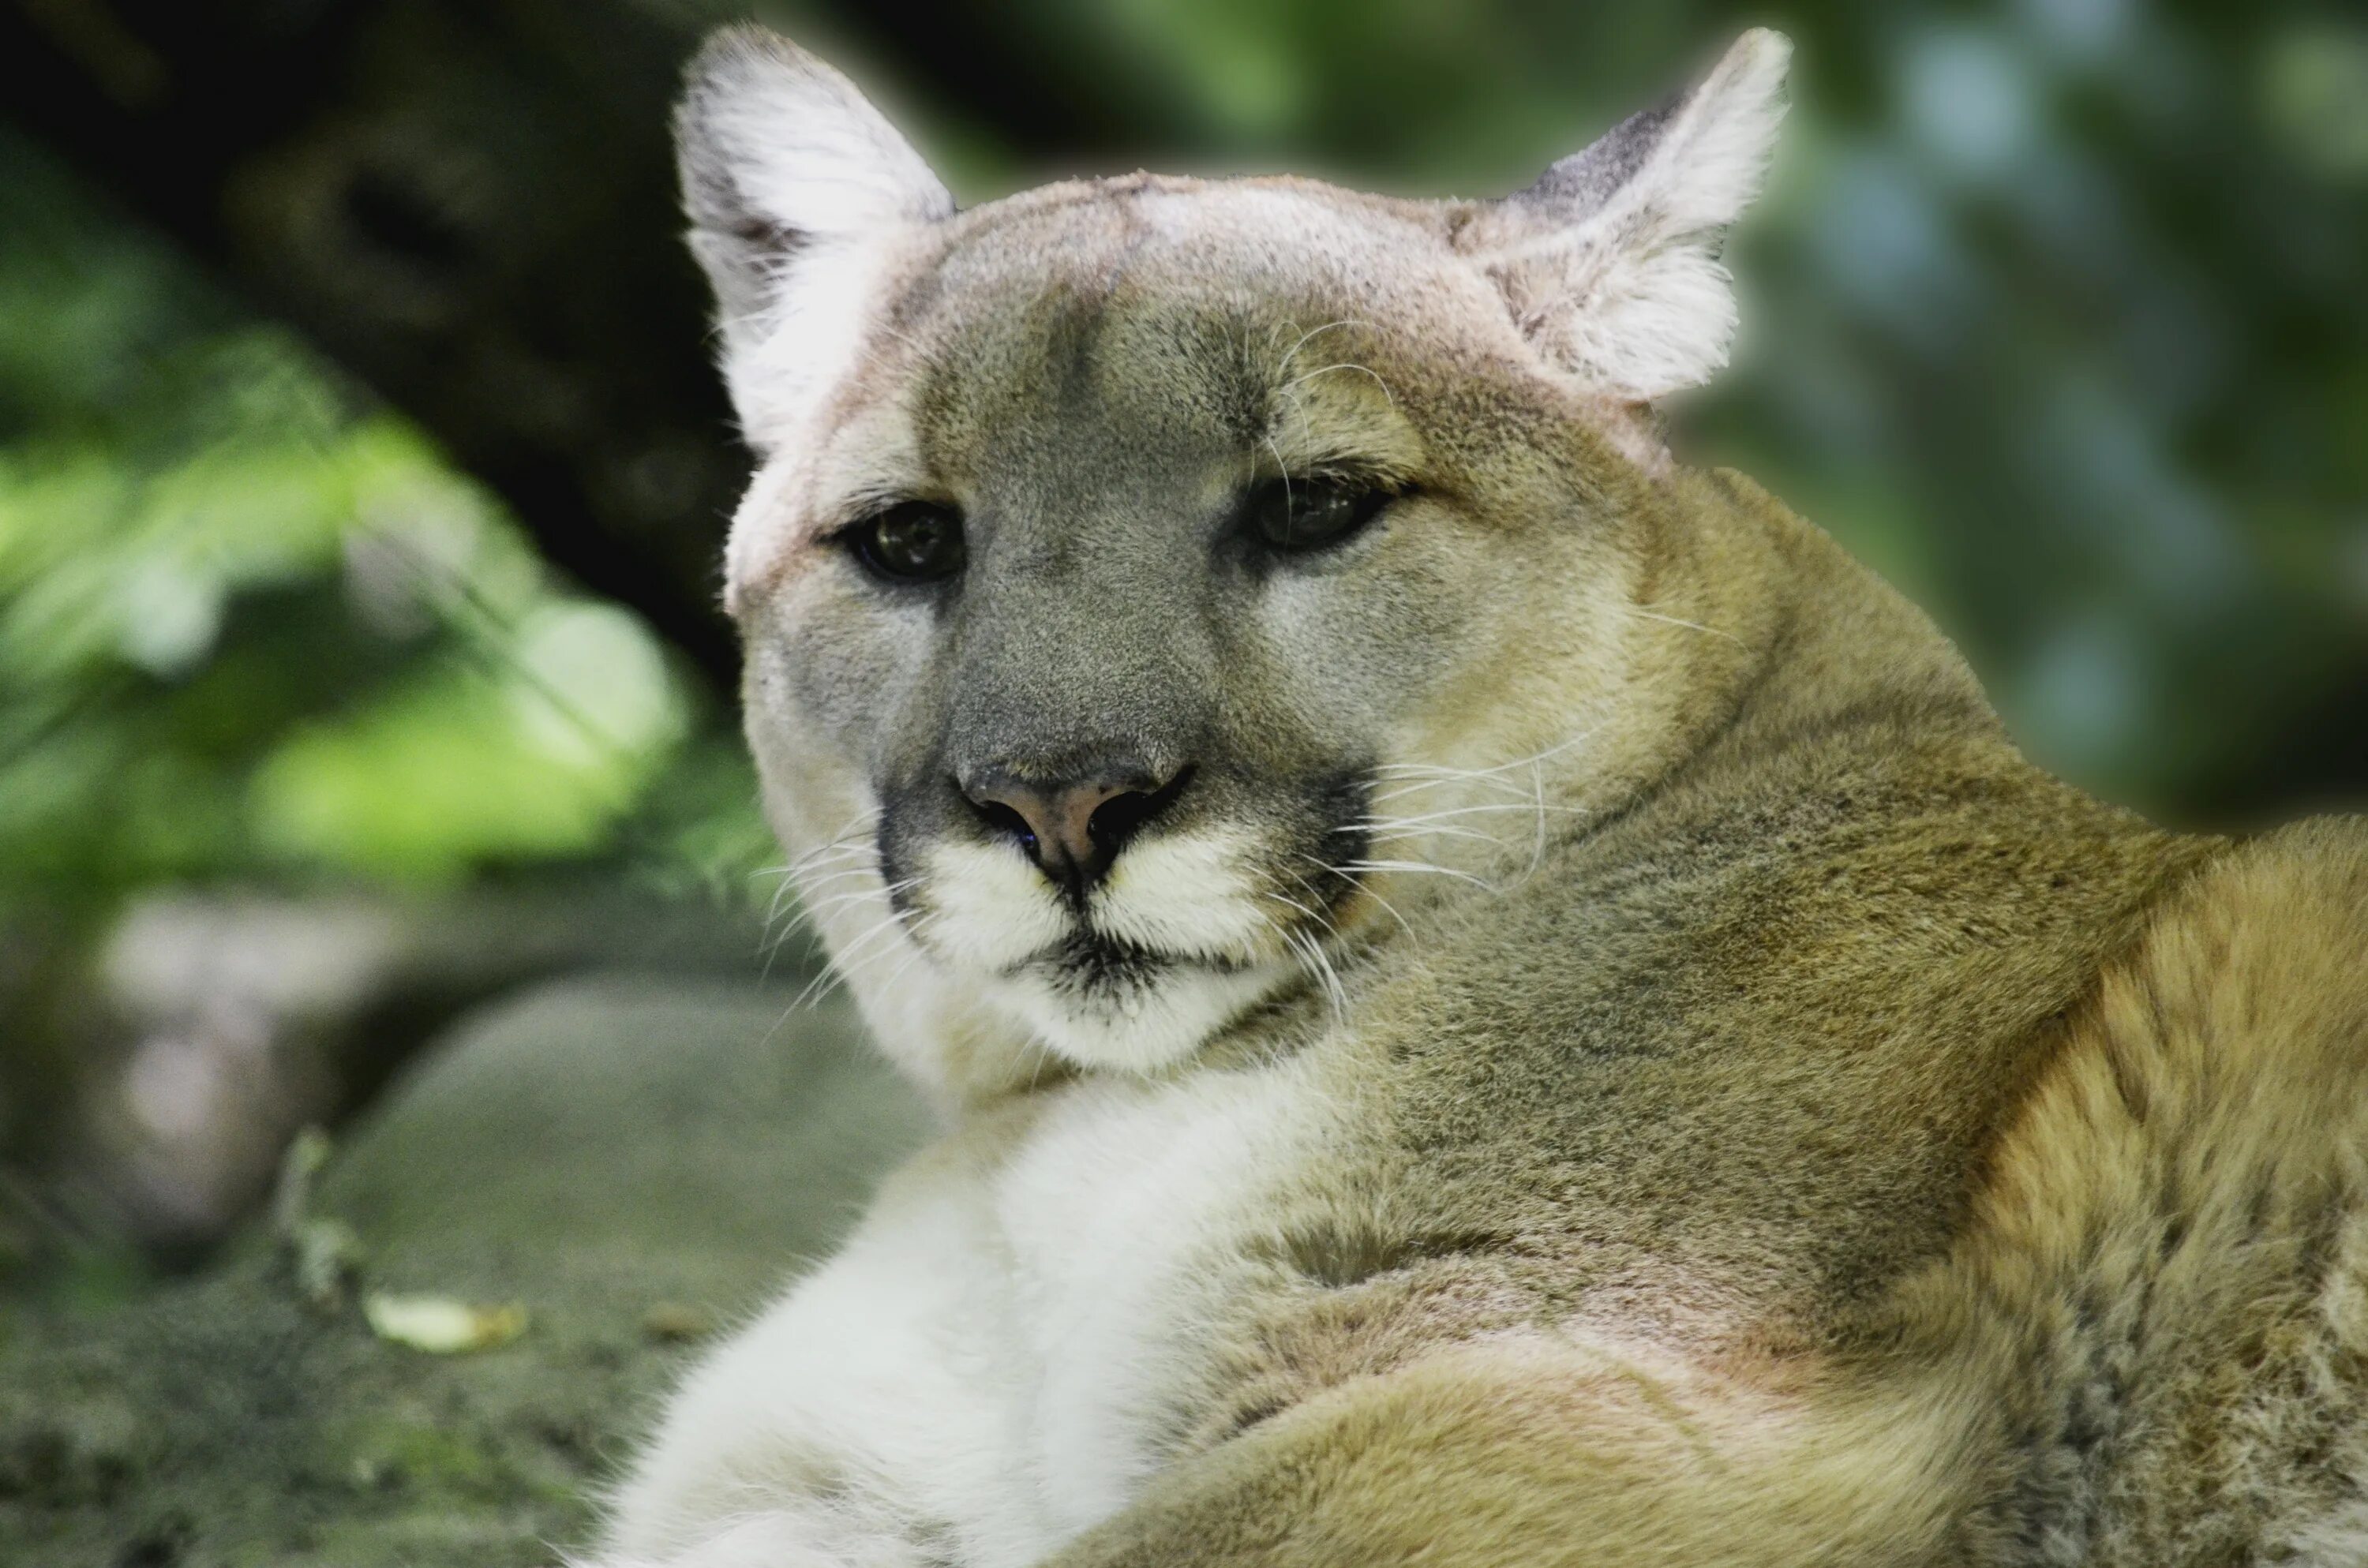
632, 1161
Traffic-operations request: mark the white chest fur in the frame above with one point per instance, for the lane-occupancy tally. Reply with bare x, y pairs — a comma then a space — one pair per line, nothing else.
986, 1368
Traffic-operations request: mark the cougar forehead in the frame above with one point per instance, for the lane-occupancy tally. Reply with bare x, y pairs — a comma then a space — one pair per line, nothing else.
1111, 321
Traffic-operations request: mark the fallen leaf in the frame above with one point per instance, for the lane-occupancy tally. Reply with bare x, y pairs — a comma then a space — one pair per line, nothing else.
440, 1325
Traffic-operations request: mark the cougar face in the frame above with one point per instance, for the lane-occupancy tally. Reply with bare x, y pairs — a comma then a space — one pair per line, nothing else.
1117, 589
1141, 573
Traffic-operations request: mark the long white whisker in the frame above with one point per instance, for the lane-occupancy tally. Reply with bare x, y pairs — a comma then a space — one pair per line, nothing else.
770, 946
807, 887
891, 923
838, 857
1294, 903
861, 951
1537, 783
1319, 969
1312, 334
815, 990
856, 836
913, 931
1518, 762
1524, 806
888, 982
1282, 468
1394, 835
781, 895
889, 891
1345, 365
1419, 866
1642, 613
1361, 885
851, 843
1394, 792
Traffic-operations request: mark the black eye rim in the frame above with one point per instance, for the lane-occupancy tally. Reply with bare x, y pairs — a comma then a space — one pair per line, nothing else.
1366, 496
862, 540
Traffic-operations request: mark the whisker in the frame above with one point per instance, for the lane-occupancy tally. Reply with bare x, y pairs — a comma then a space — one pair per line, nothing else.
1379, 836
1638, 610
1440, 782
1518, 762
784, 894
1312, 334
848, 842
841, 855
1361, 885
1294, 903
1282, 468
863, 948
1420, 866
887, 890
815, 992
890, 924
1538, 784
888, 982
1344, 365
825, 880
1319, 969
1525, 809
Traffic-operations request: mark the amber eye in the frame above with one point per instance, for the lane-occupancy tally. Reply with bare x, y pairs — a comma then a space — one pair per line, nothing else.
914, 541
1294, 516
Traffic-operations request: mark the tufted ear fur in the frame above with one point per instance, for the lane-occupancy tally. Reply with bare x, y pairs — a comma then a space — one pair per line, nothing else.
1610, 262
782, 160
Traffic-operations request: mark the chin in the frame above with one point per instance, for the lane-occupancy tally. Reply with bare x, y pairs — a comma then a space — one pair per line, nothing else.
1128, 1010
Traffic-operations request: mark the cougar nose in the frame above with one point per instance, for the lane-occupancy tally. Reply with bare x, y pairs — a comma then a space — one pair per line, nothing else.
1075, 829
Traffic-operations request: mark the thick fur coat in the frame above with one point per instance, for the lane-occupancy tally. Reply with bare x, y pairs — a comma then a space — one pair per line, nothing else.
1581, 1041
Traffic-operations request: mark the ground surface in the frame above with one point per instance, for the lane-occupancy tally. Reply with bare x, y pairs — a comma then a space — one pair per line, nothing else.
634, 1163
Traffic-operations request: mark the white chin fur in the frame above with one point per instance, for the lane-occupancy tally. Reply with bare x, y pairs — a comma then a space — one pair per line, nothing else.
1188, 895
992, 914
988, 908
1137, 1026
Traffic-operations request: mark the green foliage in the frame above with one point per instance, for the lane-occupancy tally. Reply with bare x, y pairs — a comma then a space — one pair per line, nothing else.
250, 625
2053, 314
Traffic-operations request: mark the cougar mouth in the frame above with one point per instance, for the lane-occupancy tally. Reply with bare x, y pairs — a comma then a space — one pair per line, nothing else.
1176, 946
1089, 960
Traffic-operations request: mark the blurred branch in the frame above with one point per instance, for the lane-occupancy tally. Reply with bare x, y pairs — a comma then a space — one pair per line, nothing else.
470, 206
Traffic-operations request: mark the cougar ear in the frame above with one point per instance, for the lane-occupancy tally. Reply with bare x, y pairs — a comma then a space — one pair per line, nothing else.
781, 158
1610, 262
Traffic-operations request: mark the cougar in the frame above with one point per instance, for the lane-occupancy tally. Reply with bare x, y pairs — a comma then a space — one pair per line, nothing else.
1496, 999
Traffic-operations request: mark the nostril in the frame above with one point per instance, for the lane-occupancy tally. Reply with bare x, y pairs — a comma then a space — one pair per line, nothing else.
1003, 821
1125, 814
1073, 830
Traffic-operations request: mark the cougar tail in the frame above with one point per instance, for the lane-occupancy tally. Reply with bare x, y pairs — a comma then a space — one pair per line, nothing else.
2157, 1322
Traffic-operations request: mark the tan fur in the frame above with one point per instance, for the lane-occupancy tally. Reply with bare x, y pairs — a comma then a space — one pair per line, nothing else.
2148, 1345
1791, 1128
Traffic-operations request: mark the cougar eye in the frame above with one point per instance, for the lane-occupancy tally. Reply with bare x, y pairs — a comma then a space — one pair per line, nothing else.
914, 541
1294, 516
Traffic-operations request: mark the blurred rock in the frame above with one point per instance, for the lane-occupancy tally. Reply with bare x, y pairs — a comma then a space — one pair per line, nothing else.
606, 1152
220, 1023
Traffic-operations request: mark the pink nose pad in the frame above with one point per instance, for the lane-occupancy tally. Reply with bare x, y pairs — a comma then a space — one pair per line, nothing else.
1059, 822
1074, 830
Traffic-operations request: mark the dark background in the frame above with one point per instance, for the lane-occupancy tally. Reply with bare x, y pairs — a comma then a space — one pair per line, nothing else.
361, 475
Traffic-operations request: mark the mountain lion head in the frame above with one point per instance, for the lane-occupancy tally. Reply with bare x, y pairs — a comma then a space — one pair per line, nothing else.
1150, 585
